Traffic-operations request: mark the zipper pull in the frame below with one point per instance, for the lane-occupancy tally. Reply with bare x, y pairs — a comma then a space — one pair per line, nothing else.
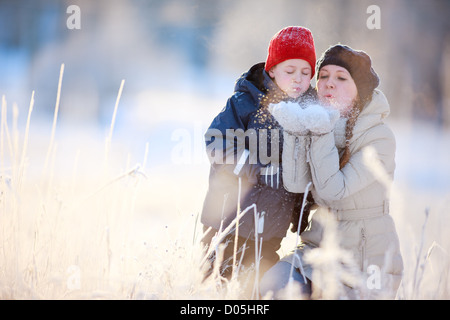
363, 248
363, 238
295, 156
296, 148
308, 147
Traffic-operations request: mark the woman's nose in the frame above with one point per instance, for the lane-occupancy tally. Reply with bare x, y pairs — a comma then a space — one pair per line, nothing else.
330, 83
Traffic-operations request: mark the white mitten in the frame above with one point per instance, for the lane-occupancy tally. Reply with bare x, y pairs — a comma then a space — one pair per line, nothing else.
289, 116
299, 121
320, 120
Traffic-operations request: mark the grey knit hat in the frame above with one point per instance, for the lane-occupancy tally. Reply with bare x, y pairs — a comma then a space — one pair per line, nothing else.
357, 63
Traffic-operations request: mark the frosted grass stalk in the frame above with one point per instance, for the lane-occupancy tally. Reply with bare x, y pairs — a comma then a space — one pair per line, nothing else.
416, 280
5, 130
25, 142
298, 237
236, 233
221, 236
113, 121
55, 117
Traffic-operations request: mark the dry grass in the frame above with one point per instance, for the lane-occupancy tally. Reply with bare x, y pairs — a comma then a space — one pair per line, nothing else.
84, 222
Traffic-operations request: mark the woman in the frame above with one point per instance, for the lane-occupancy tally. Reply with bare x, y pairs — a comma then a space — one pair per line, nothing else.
352, 200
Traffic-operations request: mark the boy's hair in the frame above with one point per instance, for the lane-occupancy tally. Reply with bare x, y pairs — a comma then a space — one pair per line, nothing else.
291, 43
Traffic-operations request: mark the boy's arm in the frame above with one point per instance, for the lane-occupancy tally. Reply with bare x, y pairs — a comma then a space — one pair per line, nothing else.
223, 152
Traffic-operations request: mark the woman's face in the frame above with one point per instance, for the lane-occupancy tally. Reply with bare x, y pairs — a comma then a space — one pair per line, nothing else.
336, 88
293, 76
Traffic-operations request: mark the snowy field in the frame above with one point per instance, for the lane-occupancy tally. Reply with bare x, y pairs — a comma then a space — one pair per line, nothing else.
86, 217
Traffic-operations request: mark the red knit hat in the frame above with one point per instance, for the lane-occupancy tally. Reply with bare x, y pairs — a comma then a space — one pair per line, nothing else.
291, 43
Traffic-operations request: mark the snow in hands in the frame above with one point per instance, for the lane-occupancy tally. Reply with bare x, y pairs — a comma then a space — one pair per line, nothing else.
302, 119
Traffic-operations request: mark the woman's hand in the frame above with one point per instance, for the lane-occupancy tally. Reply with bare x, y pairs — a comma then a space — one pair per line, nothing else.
314, 118
321, 120
290, 116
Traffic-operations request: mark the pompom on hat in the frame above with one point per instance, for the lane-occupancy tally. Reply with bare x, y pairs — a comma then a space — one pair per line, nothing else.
357, 63
291, 43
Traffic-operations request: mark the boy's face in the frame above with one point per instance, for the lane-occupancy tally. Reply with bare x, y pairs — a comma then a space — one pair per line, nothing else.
336, 88
293, 76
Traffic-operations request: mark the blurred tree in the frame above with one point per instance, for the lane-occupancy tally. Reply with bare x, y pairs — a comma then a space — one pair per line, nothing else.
136, 38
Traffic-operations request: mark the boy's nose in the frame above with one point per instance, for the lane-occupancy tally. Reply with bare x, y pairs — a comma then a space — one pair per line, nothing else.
297, 79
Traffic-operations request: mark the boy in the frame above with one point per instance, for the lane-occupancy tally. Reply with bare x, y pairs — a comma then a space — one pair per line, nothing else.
246, 173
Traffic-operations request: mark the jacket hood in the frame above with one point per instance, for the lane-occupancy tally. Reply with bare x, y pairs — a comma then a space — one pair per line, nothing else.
255, 81
378, 105
373, 113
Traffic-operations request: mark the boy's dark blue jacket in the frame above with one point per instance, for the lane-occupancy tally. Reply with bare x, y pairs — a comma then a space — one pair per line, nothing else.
247, 109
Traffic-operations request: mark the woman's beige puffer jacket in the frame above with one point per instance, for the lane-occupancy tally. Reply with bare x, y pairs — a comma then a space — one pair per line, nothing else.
355, 200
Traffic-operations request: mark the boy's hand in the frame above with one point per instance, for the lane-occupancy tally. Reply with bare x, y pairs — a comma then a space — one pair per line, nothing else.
244, 169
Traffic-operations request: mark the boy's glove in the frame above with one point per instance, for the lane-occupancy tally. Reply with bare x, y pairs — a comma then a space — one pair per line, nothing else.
243, 168
251, 172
